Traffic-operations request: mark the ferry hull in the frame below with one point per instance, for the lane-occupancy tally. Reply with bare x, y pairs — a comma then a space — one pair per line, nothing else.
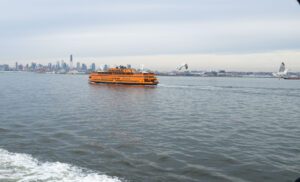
124, 83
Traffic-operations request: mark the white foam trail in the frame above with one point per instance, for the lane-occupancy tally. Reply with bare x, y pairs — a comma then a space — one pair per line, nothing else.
24, 168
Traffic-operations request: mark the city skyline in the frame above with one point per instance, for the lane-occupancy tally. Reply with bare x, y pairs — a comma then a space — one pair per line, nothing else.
62, 67
231, 35
216, 62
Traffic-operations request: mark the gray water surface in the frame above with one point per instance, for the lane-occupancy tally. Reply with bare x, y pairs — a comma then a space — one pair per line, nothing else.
60, 128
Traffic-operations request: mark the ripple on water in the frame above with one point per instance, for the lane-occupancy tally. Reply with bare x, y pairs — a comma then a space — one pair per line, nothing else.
3, 130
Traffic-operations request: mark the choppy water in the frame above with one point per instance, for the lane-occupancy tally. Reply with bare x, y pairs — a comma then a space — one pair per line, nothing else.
61, 128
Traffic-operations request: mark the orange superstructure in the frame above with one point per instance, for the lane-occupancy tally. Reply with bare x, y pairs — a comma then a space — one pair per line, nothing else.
123, 75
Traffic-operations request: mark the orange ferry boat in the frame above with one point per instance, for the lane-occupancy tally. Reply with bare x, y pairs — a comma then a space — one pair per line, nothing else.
123, 75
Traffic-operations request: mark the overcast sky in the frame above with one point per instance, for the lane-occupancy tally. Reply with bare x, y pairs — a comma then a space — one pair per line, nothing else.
208, 34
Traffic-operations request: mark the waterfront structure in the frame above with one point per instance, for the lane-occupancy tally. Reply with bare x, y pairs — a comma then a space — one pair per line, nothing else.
222, 73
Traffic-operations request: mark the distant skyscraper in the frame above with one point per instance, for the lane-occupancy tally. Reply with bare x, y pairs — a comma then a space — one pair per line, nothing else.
16, 65
39, 66
93, 67
20, 67
71, 61
33, 66
57, 65
65, 66
49, 66
6, 67
83, 67
105, 67
78, 66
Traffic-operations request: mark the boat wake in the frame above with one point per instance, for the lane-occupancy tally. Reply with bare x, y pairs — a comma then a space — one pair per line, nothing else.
24, 168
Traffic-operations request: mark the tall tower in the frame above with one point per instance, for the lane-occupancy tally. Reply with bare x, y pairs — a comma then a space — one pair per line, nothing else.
78, 66
93, 67
71, 62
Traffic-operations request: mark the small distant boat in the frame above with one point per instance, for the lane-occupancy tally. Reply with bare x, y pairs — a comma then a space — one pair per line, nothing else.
123, 75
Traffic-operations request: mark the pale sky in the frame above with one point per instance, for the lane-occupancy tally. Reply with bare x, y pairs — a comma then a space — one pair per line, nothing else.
241, 35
